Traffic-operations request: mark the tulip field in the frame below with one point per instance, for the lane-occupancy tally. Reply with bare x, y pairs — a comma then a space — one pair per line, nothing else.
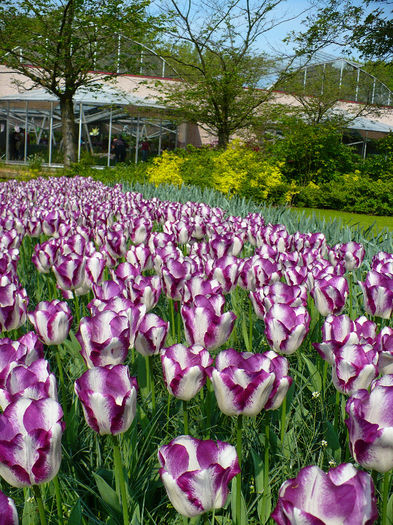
172, 358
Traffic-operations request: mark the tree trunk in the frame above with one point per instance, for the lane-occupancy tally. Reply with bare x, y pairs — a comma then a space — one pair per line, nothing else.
68, 130
223, 138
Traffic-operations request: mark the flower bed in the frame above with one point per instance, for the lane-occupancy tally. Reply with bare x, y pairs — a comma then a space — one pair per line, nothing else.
166, 361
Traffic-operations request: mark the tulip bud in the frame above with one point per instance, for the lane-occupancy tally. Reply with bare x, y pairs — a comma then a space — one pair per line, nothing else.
52, 321
108, 396
196, 473
343, 495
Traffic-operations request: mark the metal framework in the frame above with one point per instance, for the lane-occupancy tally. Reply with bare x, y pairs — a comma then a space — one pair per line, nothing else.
351, 81
99, 114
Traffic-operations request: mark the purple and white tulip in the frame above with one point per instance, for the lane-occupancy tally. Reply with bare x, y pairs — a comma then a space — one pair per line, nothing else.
51, 321
351, 253
104, 338
240, 382
384, 346
34, 381
343, 495
378, 294
108, 396
69, 271
286, 327
370, 425
185, 369
8, 512
151, 335
329, 294
13, 305
205, 324
196, 473
355, 366
339, 330
30, 441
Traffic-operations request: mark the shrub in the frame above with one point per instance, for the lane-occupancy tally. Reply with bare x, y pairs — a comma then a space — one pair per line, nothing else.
312, 152
350, 192
237, 170
166, 169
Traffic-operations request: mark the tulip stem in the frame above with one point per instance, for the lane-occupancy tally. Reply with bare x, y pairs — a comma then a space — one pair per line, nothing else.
179, 319
283, 419
150, 383
324, 378
62, 385
185, 418
239, 476
173, 326
40, 504
385, 496
77, 308
336, 410
120, 476
266, 462
58, 499
168, 411
250, 309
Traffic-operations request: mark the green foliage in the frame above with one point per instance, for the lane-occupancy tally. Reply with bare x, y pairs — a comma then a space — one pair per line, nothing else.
311, 152
35, 162
216, 58
110, 176
350, 192
236, 170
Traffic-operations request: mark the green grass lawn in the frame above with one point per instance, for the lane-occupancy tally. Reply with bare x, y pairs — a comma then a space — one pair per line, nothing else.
351, 219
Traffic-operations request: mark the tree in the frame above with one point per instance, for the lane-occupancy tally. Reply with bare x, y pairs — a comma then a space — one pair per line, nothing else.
350, 25
57, 43
226, 82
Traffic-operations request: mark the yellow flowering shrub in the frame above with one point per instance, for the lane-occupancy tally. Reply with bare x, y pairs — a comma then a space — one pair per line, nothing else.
237, 170
166, 169
240, 170
230, 169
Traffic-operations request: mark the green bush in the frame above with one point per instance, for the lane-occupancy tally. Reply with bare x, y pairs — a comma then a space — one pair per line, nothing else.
353, 192
311, 153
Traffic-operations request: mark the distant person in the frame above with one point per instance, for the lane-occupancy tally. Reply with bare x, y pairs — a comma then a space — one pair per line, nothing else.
18, 145
119, 147
145, 148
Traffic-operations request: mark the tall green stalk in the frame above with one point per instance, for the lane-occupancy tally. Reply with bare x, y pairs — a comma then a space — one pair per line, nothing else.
385, 497
266, 466
40, 504
239, 431
119, 474
173, 325
55, 349
283, 419
250, 310
150, 382
58, 499
185, 418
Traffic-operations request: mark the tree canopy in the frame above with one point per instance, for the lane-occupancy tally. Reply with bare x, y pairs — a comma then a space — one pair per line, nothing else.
57, 44
226, 80
366, 26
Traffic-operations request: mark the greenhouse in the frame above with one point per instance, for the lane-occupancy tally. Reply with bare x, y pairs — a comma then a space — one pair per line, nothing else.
30, 122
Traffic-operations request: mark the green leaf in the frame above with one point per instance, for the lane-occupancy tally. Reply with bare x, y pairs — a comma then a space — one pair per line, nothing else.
107, 494
76, 514
233, 504
245, 334
264, 505
389, 511
331, 436
315, 376
30, 515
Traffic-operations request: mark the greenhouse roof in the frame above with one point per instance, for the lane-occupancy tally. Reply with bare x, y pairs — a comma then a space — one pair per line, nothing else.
95, 96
